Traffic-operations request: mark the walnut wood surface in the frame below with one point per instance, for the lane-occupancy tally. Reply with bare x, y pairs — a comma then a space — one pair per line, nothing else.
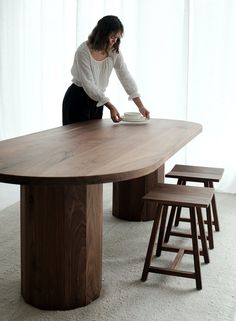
98, 151
196, 173
61, 245
181, 195
127, 197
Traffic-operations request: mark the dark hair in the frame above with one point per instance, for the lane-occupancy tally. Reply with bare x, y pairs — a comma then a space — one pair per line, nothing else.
99, 37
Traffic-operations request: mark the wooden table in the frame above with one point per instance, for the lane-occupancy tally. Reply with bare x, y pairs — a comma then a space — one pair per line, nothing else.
61, 172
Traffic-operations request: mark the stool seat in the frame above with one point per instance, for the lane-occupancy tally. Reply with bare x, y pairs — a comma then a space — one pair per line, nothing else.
192, 197
185, 196
199, 174
196, 173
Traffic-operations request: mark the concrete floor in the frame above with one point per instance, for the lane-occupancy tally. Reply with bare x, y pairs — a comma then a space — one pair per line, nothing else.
9, 194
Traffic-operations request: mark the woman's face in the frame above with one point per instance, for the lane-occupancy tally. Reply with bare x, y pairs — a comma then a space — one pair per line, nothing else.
113, 38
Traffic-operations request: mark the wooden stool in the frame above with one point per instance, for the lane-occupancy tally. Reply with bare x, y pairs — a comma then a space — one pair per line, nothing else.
193, 198
205, 175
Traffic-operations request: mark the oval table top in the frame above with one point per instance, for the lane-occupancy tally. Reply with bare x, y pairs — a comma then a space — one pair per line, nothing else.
92, 152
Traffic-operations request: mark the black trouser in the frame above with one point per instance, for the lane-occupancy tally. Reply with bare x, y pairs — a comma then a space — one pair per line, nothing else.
78, 106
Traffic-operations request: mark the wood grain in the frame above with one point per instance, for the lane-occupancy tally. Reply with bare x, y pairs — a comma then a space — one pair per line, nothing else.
93, 152
127, 197
196, 173
182, 195
61, 245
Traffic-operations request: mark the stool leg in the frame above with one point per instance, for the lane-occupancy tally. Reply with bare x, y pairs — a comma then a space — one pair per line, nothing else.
180, 182
170, 223
195, 248
177, 216
209, 228
214, 210
202, 235
151, 243
162, 231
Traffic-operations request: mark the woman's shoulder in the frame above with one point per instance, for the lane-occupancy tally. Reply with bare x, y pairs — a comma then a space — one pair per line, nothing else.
82, 51
83, 47
118, 58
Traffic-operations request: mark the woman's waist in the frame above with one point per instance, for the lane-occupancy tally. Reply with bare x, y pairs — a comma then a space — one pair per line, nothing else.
79, 84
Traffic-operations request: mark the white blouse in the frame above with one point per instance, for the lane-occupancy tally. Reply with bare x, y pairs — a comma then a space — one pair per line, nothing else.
93, 75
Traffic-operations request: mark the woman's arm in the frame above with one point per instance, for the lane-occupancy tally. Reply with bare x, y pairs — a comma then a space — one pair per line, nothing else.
125, 77
115, 116
142, 109
129, 84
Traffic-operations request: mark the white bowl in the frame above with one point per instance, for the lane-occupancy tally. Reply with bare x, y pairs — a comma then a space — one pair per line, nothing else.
133, 116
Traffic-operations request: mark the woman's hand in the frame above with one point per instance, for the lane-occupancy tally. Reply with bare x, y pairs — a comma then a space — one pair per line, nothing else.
141, 108
144, 112
115, 116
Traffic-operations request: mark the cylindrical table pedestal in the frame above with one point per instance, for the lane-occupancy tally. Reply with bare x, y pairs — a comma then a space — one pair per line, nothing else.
61, 245
127, 197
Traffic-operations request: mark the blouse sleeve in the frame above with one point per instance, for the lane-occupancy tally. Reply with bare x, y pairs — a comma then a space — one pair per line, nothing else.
81, 70
125, 77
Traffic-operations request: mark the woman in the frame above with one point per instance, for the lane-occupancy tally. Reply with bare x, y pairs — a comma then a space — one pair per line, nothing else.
93, 63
